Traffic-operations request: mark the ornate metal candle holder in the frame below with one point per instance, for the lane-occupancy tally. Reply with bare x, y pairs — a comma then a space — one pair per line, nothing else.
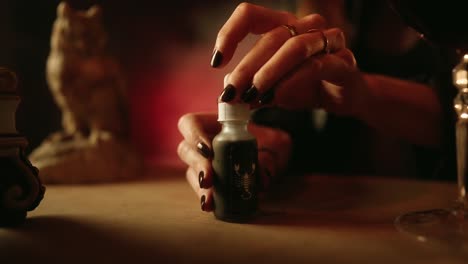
20, 187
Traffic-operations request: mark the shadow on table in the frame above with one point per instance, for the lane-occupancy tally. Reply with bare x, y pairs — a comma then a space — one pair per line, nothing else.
346, 202
54, 239
150, 173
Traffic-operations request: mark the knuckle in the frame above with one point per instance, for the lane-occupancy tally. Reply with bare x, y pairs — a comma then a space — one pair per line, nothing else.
226, 79
271, 37
298, 46
240, 76
222, 35
244, 9
337, 38
264, 77
289, 17
318, 20
205, 166
188, 174
241, 72
348, 57
317, 63
181, 148
185, 120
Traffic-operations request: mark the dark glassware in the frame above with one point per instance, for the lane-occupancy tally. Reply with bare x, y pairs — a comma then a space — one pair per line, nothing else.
445, 24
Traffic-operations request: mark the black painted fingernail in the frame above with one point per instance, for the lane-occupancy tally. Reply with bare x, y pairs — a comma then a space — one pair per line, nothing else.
250, 94
267, 97
217, 58
203, 203
204, 150
201, 179
229, 93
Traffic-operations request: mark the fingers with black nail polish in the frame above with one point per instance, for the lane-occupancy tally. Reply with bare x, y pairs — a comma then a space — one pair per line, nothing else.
201, 179
203, 203
267, 97
204, 150
250, 94
229, 93
216, 59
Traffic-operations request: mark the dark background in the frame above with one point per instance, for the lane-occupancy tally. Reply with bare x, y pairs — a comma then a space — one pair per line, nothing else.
159, 44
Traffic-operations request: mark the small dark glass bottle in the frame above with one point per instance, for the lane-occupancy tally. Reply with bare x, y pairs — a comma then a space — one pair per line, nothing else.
235, 164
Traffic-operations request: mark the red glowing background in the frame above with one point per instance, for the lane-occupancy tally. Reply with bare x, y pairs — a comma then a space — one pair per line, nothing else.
164, 48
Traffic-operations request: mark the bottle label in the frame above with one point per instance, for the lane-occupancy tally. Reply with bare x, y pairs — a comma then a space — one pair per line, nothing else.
236, 170
245, 169
243, 174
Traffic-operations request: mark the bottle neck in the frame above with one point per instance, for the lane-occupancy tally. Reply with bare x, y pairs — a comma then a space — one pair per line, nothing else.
235, 130
234, 126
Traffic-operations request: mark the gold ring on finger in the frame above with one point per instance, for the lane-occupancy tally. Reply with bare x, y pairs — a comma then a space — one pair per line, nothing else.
326, 43
291, 29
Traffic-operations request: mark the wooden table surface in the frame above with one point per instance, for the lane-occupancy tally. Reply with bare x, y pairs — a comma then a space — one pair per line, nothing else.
315, 219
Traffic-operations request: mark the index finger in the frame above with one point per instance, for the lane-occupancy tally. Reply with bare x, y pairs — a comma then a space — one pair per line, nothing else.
198, 128
246, 18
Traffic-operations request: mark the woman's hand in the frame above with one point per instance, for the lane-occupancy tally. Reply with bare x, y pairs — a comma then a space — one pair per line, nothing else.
308, 68
314, 69
198, 130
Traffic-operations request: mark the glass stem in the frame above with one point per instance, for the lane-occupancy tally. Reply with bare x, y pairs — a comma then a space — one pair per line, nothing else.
462, 146
460, 104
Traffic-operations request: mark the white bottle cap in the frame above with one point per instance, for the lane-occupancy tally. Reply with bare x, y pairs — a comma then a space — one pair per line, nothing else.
233, 112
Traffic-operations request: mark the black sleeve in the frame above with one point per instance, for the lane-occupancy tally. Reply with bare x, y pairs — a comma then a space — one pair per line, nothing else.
316, 148
297, 124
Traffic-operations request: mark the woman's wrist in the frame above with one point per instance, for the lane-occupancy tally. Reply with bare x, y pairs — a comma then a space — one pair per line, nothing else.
364, 98
406, 109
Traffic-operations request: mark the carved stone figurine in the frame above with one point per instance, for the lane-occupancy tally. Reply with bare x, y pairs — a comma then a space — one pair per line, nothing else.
89, 88
20, 187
